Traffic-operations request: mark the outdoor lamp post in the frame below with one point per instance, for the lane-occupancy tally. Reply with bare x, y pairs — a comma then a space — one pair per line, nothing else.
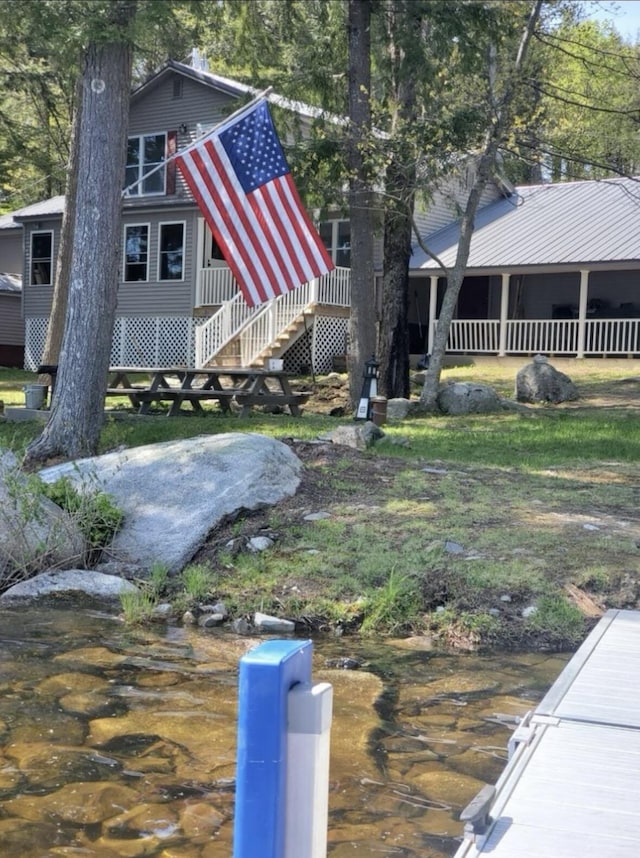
369, 388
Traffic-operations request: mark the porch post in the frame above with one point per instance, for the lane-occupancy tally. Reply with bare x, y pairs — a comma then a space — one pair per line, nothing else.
582, 311
504, 312
433, 303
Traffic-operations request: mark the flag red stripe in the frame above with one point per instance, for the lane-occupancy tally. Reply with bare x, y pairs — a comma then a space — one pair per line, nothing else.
266, 235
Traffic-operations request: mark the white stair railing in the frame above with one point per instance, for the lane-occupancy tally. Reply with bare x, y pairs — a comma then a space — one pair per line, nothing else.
259, 327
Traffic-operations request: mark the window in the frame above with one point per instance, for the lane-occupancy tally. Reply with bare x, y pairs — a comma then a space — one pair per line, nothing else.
143, 154
171, 251
336, 235
136, 253
41, 258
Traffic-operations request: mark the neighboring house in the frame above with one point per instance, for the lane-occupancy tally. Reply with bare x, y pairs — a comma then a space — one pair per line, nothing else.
11, 321
553, 268
11, 324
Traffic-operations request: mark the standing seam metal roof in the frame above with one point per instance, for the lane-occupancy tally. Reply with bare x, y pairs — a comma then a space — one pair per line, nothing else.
560, 224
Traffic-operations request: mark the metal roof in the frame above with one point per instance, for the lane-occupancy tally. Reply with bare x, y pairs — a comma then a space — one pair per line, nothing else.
11, 283
569, 223
52, 206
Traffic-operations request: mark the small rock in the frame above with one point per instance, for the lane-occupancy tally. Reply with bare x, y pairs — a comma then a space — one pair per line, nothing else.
188, 618
317, 516
241, 626
505, 597
453, 547
259, 543
163, 610
218, 608
265, 623
529, 612
209, 621
590, 527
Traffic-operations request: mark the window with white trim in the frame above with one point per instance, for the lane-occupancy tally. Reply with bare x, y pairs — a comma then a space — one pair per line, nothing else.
336, 236
41, 270
171, 251
144, 153
136, 253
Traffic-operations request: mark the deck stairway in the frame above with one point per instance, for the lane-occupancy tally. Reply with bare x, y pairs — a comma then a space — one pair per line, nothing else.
240, 335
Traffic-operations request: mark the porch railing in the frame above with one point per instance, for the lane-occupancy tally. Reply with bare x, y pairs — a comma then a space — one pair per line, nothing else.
259, 327
545, 336
215, 286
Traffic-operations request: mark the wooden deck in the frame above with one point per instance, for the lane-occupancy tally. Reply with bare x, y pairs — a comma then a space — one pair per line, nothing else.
571, 788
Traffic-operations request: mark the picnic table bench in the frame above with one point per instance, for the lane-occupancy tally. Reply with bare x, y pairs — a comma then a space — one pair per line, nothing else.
247, 387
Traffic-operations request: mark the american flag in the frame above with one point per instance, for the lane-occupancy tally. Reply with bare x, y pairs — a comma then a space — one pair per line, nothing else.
241, 181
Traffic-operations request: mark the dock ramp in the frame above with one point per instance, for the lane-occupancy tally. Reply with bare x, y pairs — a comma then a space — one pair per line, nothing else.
571, 788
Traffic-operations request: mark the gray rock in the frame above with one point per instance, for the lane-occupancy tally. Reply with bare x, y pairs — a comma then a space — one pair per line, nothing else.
399, 408
174, 493
317, 516
359, 436
538, 381
453, 547
210, 621
241, 626
69, 581
275, 625
35, 533
466, 397
259, 543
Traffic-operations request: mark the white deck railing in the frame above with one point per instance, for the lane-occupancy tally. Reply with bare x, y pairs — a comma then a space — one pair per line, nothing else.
545, 336
259, 327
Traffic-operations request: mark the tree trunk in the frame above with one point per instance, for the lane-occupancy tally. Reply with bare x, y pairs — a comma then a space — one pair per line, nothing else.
58, 314
485, 168
362, 325
77, 412
394, 318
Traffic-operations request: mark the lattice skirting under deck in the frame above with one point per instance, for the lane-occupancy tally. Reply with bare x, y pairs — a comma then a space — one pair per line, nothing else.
170, 341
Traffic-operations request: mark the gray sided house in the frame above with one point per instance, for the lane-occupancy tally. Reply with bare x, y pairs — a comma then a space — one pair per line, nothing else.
553, 269
178, 303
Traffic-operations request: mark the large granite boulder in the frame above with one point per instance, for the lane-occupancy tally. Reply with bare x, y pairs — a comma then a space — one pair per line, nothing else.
539, 381
467, 397
174, 493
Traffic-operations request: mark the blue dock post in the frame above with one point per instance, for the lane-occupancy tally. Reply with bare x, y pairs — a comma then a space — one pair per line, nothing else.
267, 674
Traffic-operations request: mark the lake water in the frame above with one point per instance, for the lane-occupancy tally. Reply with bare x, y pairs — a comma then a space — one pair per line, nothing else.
120, 742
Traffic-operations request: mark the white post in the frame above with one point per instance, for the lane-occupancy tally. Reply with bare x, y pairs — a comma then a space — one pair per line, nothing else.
582, 311
433, 303
504, 312
307, 793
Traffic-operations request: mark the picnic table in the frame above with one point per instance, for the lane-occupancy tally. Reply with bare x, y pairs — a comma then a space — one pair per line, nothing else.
245, 386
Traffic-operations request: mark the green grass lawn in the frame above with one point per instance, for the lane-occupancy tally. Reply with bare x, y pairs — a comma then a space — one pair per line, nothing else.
519, 490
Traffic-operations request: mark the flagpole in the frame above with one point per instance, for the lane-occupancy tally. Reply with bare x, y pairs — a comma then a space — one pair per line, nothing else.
236, 113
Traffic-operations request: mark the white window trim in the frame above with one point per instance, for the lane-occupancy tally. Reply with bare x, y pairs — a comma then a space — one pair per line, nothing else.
335, 226
52, 262
124, 252
141, 166
182, 223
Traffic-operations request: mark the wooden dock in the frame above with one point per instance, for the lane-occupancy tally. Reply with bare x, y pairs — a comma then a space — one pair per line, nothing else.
571, 788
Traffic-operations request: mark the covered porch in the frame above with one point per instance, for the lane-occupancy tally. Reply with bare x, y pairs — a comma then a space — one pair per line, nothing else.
584, 313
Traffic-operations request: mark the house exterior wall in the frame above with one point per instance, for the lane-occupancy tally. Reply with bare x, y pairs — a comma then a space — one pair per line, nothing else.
162, 298
37, 298
11, 330
11, 251
446, 202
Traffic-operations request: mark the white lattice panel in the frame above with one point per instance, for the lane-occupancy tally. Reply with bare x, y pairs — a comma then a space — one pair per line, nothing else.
35, 334
329, 340
168, 341
137, 341
153, 341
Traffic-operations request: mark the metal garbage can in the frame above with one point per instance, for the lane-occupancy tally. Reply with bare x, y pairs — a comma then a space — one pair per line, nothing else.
379, 410
34, 395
